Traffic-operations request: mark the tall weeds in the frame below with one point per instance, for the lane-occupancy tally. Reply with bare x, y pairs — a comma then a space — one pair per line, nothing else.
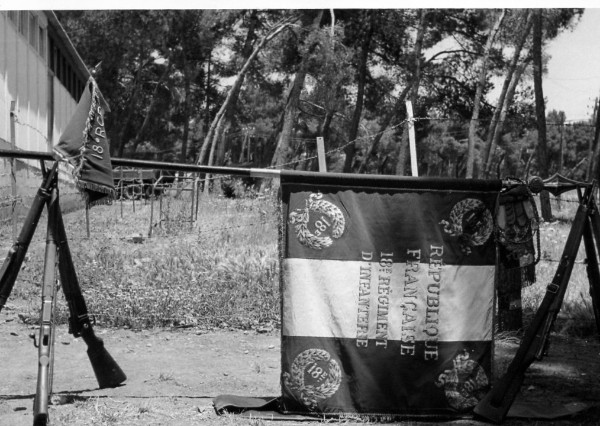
220, 271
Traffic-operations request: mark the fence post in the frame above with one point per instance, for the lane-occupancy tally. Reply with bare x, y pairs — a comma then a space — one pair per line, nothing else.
193, 191
87, 220
545, 207
13, 175
121, 192
142, 187
197, 180
412, 145
151, 214
160, 208
321, 154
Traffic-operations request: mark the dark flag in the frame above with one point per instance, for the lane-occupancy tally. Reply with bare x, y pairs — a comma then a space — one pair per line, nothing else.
518, 224
387, 297
84, 146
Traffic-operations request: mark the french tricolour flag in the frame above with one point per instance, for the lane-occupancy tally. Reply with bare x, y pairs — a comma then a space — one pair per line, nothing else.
387, 294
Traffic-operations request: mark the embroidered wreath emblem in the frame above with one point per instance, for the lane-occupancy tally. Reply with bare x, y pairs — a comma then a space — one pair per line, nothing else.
464, 385
326, 380
331, 219
471, 222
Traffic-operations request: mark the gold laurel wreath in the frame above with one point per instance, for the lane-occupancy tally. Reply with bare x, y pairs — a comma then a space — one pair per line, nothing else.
463, 383
311, 394
454, 226
299, 218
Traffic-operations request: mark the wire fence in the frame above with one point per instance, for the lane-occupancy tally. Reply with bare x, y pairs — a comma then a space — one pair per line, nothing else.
135, 236
161, 207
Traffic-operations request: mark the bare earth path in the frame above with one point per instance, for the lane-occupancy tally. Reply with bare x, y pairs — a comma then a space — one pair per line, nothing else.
173, 375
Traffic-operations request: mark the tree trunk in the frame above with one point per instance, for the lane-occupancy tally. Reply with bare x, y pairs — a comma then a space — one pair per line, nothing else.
479, 92
593, 151
218, 142
401, 164
496, 122
540, 111
130, 111
510, 93
411, 90
187, 111
540, 108
283, 150
361, 77
142, 131
228, 103
414, 90
207, 94
386, 124
595, 170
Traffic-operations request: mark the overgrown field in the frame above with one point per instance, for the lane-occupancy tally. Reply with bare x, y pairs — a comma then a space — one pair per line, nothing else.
222, 270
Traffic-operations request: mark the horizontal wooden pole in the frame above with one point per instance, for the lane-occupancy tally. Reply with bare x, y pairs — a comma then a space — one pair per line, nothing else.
302, 177
159, 165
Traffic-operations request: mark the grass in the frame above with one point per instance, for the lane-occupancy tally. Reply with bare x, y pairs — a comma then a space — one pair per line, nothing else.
222, 271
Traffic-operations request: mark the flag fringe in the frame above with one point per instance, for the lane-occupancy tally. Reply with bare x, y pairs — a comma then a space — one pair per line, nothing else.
96, 188
104, 201
87, 129
107, 200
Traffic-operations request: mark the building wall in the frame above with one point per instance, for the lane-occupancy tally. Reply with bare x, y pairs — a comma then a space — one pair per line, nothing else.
38, 73
42, 77
24, 78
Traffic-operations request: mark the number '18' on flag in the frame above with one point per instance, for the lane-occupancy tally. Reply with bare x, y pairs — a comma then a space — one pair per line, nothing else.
84, 146
387, 298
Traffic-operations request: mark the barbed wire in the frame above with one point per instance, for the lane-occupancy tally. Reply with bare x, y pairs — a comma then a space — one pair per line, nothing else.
213, 178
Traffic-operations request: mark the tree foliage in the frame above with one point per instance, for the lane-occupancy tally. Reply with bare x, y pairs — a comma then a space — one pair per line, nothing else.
226, 86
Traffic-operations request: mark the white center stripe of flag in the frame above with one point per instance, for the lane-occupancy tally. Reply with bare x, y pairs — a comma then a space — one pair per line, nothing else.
331, 298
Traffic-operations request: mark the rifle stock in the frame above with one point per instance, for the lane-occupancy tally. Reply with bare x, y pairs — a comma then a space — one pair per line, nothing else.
495, 405
107, 371
16, 254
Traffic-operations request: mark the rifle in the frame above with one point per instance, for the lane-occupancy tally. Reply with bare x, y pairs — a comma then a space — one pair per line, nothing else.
16, 254
107, 371
495, 405
45, 342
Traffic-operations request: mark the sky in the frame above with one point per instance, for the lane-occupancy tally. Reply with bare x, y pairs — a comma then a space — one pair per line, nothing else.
573, 80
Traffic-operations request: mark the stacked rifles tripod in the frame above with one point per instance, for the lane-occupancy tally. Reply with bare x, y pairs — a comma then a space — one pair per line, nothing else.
57, 254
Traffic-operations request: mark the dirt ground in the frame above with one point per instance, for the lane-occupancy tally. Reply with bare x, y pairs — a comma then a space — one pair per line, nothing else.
174, 374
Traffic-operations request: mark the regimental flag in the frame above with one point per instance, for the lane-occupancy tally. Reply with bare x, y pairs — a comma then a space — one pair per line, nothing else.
387, 296
84, 146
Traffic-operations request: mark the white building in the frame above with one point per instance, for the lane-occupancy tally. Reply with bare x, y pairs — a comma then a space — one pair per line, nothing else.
41, 79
